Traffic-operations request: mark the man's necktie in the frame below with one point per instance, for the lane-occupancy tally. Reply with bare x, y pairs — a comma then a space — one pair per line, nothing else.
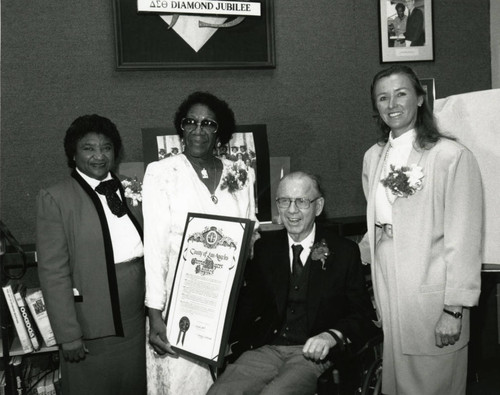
108, 189
297, 264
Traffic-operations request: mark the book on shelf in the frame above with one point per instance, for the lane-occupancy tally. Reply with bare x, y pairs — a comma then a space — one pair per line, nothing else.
2, 382
39, 388
29, 322
44, 383
50, 389
17, 319
36, 305
17, 374
57, 381
33, 373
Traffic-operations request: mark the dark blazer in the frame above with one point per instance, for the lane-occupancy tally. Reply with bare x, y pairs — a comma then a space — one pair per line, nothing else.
74, 250
415, 28
337, 294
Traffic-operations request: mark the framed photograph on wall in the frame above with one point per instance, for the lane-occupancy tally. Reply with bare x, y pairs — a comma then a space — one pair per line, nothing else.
248, 144
406, 30
430, 89
178, 39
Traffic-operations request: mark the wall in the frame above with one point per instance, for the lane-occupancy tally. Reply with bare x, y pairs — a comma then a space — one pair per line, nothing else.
495, 43
58, 63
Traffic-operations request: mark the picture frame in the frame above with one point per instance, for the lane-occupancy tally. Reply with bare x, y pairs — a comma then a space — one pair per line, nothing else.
429, 87
206, 285
161, 142
151, 41
403, 37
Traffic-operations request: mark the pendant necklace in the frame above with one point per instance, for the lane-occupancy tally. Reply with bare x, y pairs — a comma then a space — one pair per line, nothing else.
205, 176
203, 170
213, 197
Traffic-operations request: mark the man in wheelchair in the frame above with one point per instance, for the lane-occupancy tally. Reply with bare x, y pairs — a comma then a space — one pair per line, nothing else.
293, 318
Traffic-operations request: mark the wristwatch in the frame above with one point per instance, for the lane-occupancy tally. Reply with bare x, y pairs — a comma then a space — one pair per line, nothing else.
455, 314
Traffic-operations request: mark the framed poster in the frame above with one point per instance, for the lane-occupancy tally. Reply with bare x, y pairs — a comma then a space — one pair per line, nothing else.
430, 89
193, 35
406, 30
249, 144
206, 284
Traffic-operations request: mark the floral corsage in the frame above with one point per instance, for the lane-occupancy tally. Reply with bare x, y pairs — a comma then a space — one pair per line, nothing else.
133, 190
320, 252
235, 178
404, 181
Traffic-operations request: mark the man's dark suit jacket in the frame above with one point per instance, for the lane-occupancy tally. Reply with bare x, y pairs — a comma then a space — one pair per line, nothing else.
415, 28
337, 295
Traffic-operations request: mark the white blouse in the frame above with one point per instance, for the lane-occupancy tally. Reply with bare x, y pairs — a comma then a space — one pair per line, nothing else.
171, 189
397, 155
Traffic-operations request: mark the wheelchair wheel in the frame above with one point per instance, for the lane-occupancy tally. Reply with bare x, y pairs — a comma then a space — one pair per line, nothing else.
372, 382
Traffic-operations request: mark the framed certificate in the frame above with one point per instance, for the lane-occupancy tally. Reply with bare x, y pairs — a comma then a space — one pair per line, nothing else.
206, 285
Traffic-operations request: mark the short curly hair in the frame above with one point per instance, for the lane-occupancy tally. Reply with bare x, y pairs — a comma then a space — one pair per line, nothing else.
84, 125
400, 6
222, 111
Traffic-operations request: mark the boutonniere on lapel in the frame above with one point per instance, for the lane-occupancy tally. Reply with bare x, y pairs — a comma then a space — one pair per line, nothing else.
320, 252
133, 190
404, 181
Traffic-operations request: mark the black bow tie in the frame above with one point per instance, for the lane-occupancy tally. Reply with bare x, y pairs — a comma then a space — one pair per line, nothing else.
108, 189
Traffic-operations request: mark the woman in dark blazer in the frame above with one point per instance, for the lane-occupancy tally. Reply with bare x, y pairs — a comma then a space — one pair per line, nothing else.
90, 264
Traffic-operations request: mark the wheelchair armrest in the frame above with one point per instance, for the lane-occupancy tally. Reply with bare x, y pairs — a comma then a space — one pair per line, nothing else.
339, 375
371, 343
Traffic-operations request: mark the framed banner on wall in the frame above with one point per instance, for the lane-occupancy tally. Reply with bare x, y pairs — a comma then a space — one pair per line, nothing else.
406, 30
183, 40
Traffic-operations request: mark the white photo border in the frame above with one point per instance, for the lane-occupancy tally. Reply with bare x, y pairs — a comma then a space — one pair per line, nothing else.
390, 54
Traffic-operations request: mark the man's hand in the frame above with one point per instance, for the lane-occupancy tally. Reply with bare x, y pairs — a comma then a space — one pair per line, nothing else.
74, 351
447, 330
255, 237
318, 347
158, 334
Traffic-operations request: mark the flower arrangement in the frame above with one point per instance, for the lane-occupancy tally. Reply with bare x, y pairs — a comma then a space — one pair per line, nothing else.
404, 181
133, 190
235, 178
320, 252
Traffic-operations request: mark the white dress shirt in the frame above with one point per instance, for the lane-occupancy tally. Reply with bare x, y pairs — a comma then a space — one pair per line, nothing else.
125, 239
306, 244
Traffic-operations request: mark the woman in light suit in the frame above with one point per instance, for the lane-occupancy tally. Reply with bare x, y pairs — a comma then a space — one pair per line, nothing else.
424, 217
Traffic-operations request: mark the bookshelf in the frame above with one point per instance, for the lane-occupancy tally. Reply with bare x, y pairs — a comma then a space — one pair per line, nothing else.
14, 263
16, 349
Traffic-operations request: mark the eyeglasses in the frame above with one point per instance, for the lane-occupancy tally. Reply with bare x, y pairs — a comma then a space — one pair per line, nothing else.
189, 125
300, 203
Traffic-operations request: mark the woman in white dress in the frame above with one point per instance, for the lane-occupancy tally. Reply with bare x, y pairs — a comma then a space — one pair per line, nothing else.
192, 182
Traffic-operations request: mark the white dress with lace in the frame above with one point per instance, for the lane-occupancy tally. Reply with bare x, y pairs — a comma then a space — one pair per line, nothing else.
171, 189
